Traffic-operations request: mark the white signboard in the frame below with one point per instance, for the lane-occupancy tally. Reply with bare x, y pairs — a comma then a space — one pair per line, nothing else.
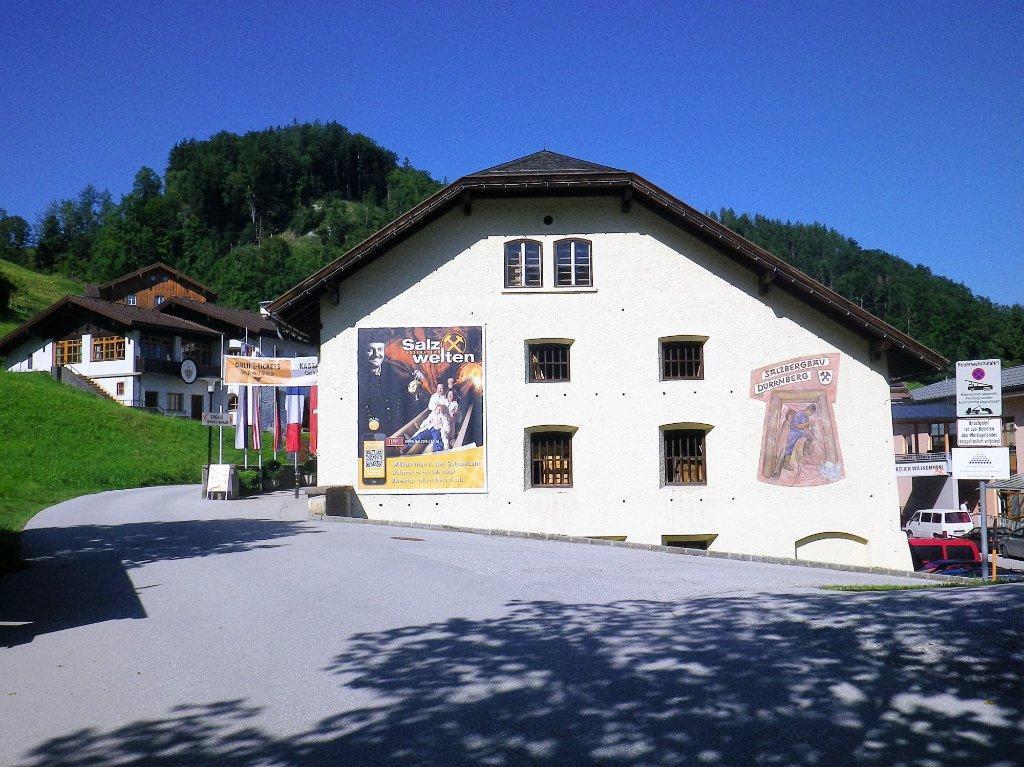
979, 432
922, 469
218, 479
979, 388
216, 419
981, 462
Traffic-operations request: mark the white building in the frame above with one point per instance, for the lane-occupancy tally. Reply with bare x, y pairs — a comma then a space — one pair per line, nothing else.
128, 340
646, 374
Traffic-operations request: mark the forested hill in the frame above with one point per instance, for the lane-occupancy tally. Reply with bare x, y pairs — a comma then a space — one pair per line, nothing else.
941, 313
252, 215
249, 215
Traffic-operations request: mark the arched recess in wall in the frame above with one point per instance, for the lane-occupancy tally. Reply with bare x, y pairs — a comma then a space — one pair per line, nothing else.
833, 546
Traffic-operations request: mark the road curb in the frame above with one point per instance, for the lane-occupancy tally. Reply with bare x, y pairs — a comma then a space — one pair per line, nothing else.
789, 561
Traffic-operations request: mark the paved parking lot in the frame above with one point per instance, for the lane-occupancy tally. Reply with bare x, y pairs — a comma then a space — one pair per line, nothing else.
154, 627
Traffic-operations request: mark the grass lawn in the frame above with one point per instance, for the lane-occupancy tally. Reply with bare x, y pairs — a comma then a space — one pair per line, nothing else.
59, 443
32, 292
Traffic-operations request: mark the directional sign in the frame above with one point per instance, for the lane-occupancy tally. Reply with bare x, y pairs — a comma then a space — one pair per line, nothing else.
981, 463
979, 432
216, 419
979, 388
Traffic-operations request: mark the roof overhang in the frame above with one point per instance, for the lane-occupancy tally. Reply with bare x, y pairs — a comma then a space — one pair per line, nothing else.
300, 305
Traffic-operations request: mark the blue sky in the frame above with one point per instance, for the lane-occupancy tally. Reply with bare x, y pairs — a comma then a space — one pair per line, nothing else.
899, 124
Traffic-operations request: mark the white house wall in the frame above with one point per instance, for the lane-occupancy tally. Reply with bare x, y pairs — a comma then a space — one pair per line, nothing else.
650, 280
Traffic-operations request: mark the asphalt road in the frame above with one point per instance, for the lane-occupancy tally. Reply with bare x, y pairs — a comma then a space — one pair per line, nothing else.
155, 628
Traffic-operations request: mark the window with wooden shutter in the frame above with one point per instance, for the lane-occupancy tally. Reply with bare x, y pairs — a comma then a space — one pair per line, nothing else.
684, 457
551, 459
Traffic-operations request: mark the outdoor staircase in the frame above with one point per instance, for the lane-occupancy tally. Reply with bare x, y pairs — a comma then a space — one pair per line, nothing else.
78, 381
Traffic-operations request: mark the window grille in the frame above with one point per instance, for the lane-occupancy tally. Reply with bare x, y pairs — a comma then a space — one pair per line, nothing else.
684, 457
682, 360
551, 459
573, 263
549, 362
523, 264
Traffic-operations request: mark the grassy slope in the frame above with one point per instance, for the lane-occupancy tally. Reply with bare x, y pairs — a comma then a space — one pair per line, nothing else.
32, 292
58, 443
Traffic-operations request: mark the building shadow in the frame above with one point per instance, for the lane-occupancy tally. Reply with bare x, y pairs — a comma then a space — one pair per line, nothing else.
821, 679
78, 575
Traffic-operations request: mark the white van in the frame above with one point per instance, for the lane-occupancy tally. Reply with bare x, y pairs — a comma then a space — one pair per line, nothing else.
938, 523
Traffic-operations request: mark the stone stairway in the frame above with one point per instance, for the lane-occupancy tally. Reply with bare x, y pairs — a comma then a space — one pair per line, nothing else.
83, 383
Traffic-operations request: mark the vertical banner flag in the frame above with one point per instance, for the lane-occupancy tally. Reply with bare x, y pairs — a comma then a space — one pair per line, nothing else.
421, 409
241, 419
277, 421
313, 419
294, 402
254, 417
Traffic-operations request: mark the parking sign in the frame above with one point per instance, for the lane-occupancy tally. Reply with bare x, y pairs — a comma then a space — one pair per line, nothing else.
979, 388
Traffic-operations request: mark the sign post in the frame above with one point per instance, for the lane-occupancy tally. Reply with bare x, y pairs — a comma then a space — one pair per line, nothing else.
980, 455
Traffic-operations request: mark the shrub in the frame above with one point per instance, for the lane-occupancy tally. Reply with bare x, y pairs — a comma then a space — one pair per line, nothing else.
249, 481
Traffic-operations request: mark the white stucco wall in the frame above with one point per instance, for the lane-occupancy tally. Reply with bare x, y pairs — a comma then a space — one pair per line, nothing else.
650, 280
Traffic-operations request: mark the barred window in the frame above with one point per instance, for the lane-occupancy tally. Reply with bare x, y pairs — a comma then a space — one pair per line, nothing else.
682, 360
572, 263
107, 348
551, 459
175, 401
67, 352
523, 260
548, 362
684, 456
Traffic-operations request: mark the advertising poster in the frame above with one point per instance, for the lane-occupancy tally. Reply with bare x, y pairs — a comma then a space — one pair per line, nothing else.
799, 442
421, 409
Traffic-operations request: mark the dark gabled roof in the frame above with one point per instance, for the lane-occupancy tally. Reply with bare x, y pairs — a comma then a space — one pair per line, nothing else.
225, 315
130, 317
161, 266
929, 412
527, 177
1013, 378
545, 162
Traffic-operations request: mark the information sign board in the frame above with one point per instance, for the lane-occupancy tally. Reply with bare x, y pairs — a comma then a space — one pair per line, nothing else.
216, 419
979, 432
981, 463
979, 388
218, 480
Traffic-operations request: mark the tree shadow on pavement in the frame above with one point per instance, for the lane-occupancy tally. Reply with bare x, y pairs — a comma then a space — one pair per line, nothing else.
77, 576
819, 679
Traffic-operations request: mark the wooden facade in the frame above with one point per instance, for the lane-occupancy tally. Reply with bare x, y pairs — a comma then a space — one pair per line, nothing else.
151, 289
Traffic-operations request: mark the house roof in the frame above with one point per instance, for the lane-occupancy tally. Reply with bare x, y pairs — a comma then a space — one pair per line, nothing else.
224, 315
545, 162
130, 317
546, 174
161, 266
931, 412
1013, 378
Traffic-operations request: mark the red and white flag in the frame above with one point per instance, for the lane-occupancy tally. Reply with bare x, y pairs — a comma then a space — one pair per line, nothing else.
313, 419
294, 404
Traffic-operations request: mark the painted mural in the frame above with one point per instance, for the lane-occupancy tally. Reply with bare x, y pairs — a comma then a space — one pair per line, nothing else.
799, 442
421, 409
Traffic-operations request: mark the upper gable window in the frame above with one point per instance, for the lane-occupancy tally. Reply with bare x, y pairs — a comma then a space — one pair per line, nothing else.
158, 300
523, 260
130, 299
573, 263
